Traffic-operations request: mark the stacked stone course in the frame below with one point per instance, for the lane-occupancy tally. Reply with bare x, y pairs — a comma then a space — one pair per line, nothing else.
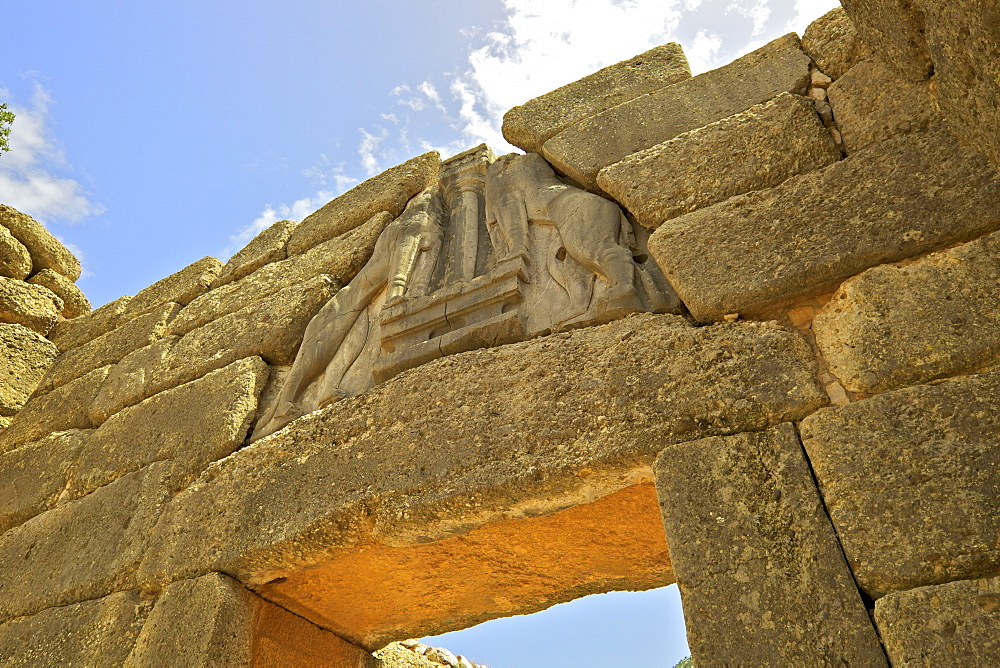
810, 449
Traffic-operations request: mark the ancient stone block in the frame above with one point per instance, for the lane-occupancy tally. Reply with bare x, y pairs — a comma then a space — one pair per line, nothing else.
214, 621
33, 476
894, 29
128, 382
15, 260
582, 150
33, 306
757, 562
448, 446
389, 191
752, 150
894, 326
180, 287
266, 247
191, 425
25, 357
272, 328
911, 483
46, 251
871, 103
834, 44
84, 549
68, 334
531, 124
75, 303
340, 258
111, 347
65, 407
957, 623
882, 204
93, 633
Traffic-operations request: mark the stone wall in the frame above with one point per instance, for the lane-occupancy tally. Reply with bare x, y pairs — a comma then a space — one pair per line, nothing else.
808, 446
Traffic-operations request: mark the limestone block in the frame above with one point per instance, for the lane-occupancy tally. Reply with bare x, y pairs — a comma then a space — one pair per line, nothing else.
871, 103
340, 258
67, 334
272, 328
910, 479
753, 150
957, 623
894, 29
15, 260
75, 303
214, 621
84, 549
963, 40
904, 196
111, 347
65, 407
894, 326
46, 251
180, 287
388, 191
33, 306
266, 247
191, 425
582, 150
93, 633
757, 562
4, 422
128, 382
834, 44
531, 124
450, 445
25, 356
33, 476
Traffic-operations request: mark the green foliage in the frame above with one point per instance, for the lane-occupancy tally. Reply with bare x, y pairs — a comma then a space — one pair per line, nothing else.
685, 663
6, 118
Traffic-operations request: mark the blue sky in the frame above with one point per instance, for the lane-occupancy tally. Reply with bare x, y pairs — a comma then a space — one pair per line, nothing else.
153, 133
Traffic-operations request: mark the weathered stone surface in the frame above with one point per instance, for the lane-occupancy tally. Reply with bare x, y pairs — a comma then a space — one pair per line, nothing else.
871, 103
911, 481
834, 44
180, 288
191, 425
33, 477
75, 303
340, 258
266, 247
271, 328
957, 623
15, 260
84, 549
883, 204
389, 191
757, 562
963, 40
582, 150
215, 621
25, 356
128, 382
33, 306
894, 29
111, 347
93, 633
46, 251
531, 124
753, 150
894, 326
67, 334
65, 407
450, 445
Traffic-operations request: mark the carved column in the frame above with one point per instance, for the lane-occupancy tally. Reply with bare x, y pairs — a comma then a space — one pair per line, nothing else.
463, 178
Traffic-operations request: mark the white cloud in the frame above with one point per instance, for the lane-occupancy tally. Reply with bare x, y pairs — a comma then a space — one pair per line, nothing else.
272, 214
32, 173
758, 11
367, 148
428, 89
703, 52
807, 11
